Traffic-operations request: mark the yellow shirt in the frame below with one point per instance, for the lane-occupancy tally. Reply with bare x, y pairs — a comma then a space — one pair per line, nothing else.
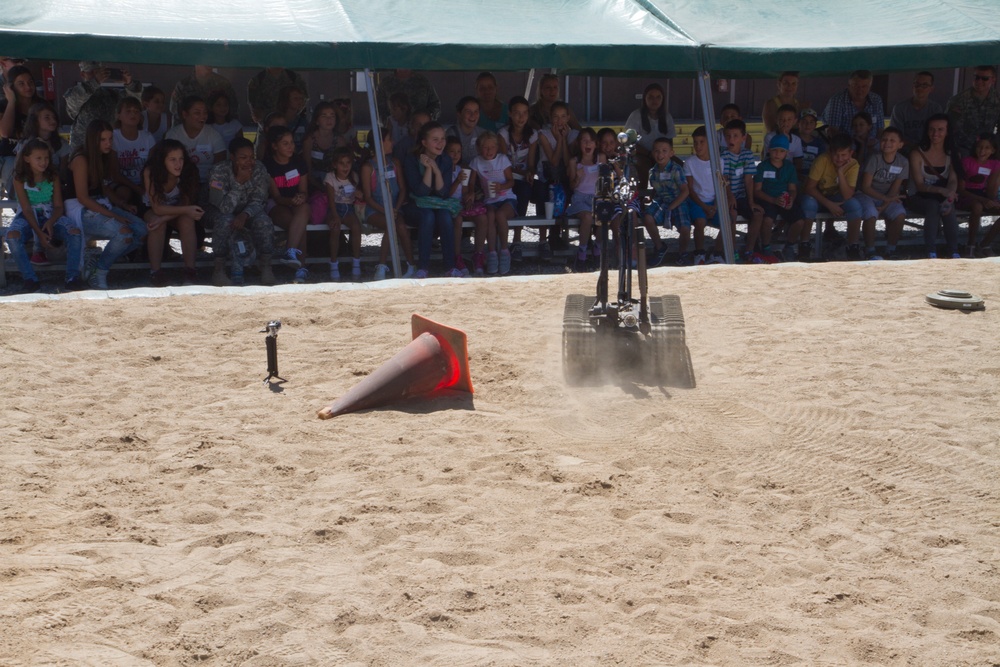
825, 175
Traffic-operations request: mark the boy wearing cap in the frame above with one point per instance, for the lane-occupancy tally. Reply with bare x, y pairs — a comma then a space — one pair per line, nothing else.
775, 187
786, 119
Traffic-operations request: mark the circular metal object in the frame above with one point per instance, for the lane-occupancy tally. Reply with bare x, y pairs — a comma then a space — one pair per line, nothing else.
956, 300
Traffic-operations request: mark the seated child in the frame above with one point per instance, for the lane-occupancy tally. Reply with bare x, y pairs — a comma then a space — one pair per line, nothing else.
831, 186
496, 176
880, 195
775, 188
977, 191
786, 123
865, 144
669, 202
739, 165
731, 112
701, 205
813, 144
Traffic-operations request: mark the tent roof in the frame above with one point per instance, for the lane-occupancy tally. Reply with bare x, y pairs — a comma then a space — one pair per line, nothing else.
575, 35
729, 37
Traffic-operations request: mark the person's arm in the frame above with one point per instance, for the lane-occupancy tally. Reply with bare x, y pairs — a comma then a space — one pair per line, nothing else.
401, 182
867, 189
332, 217
992, 184
769, 114
118, 179
547, 148
917, 174
132, 88
574, 177
812, 189
366, 188
7, 119
681, 196
78, 95
29, 213
847, 184
81, 179
257, 197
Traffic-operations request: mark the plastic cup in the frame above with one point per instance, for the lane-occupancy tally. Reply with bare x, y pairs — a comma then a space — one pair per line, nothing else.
550, 209
492, 187
466, 173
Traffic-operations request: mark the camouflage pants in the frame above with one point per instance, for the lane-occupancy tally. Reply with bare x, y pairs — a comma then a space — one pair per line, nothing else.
260, 227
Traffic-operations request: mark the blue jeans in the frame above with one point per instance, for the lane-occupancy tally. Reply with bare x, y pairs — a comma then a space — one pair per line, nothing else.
61, 231
122, 239
431, 221
811, 206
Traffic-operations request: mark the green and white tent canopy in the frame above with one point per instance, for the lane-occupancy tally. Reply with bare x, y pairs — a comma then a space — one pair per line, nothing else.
726, 37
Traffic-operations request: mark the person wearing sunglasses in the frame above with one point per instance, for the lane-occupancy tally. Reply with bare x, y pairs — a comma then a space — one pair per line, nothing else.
975, 111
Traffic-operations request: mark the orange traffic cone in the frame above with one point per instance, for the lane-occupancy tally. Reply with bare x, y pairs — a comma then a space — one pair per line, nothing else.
436, 358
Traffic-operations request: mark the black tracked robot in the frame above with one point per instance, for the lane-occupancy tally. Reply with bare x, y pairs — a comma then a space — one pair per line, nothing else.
632, 337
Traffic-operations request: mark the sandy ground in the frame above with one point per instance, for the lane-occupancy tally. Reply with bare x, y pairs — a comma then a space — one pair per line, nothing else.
826, 495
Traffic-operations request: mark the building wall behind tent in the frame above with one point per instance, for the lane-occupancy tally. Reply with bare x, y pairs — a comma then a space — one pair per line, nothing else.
595, 99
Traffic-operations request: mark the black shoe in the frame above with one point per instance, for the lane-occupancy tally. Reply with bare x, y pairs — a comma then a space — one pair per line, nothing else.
75, 285
31, 286
854, 252
660, 254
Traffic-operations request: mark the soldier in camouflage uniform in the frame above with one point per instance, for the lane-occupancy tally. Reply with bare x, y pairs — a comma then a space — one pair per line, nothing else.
89, 101
204, 83
420, 92
976, 110
237, 195
264, 87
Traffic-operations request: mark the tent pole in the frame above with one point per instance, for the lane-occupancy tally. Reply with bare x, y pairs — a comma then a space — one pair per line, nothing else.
721, 198
390, 213
527, 86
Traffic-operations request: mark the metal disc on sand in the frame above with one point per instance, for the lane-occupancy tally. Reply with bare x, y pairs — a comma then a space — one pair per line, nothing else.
956, 299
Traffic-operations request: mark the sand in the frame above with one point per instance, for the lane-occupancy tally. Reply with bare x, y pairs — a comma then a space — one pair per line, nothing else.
826, 495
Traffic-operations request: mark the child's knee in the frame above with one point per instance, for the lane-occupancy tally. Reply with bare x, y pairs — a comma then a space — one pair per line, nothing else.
13, 235
74, 231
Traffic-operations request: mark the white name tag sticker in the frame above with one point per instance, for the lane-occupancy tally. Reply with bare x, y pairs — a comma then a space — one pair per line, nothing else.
663, 176
390, 173
739, 171
348, 189
985, 171
770, 174
294, 173
317, 155
895, 170
813, 150
203, 148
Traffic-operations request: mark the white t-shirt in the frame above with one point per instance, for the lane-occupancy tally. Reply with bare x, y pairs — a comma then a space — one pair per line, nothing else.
492, 171
699, 173
518, 156
132, 154
551, 138
202, 148
646, 139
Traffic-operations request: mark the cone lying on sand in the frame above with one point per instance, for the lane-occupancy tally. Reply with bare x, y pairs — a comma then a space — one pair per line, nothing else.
437, 358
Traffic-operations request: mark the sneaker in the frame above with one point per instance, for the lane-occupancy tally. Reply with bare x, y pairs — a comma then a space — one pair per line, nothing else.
291, 258
770, 257
189, 276
932, 255
545, 250
756, 258
74, 285
504, 262
31, 286
516, 253
699, 259
39, 259
872, 256
683, 260
595, 251
301, 275
581, 255
661, 254
479, 263
99, 280
854, 252
410, 271
716, 259
158, 278
463, 270
334, 272
805, 252
356, 272
892, 255
492, 263
456, 273
955, 255
421, 274
236, 276
381, 271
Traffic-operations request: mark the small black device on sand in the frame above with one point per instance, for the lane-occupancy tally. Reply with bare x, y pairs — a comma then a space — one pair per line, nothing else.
271, 342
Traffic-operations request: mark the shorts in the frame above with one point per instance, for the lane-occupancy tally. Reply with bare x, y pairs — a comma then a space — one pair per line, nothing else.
811, 206
663, 216
580, 203
696, 212
869, 208
343, 210
497, 205
743, 209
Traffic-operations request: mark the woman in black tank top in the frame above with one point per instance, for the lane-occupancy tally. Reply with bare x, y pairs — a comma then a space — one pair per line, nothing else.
932, 169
